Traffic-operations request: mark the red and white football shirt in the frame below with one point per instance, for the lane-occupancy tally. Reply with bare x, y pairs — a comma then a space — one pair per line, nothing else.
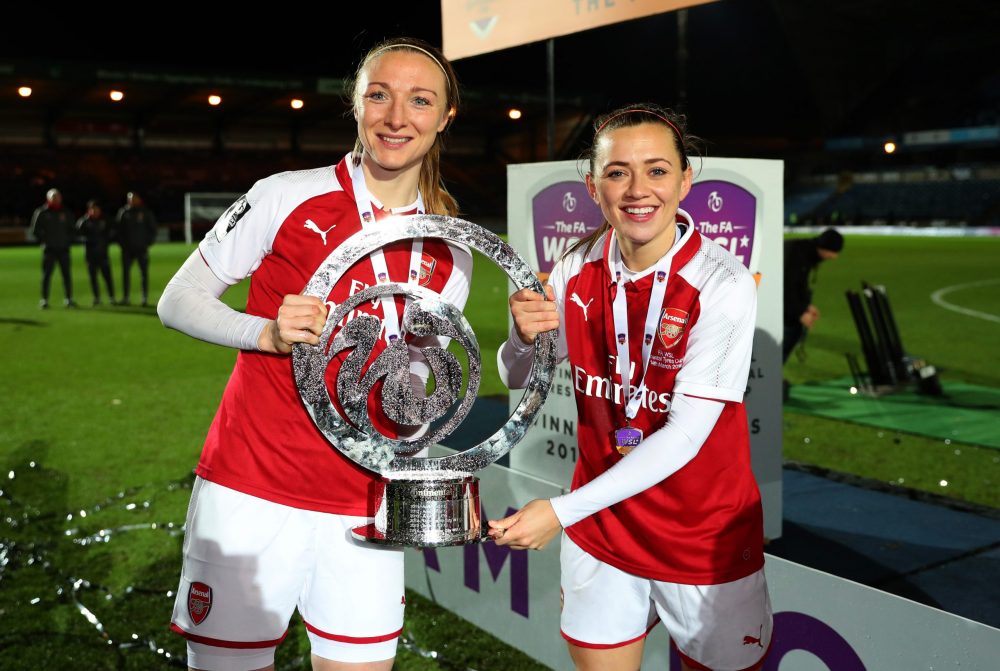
703, 524
262, 441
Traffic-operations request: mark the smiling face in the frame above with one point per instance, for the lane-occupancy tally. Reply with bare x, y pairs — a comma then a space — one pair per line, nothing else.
401, 105
638, 180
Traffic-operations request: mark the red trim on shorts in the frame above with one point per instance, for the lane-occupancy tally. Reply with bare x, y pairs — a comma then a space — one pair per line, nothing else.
701, 667
352, 639
606, 646
219, 643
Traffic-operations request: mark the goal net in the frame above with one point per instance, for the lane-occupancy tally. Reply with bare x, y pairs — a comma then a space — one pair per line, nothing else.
202, 210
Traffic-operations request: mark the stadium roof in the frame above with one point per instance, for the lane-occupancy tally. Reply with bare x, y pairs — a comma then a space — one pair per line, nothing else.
765, 73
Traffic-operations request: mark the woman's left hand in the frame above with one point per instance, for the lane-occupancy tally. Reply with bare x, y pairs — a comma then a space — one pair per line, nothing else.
530, 528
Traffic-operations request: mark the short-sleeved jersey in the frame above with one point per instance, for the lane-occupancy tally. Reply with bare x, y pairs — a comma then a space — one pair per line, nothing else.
262, 440
703, 524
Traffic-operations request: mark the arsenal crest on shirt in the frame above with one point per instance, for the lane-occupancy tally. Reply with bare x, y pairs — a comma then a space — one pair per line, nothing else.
427, 265
672, 323
199, 601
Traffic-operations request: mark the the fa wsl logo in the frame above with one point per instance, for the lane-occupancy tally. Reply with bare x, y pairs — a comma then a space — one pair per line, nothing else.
562, 213
714, 201
672, 323
569, 202
725, 213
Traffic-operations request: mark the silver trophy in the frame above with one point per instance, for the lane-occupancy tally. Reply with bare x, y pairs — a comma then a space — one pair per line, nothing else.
424, 502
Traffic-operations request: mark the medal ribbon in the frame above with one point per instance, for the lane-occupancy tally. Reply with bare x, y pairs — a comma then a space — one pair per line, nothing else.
633, 399
363, 200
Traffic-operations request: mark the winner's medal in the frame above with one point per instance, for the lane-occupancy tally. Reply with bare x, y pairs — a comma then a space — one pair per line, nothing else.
627, 439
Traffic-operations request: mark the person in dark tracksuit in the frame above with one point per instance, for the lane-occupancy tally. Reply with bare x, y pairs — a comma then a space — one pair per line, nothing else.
136, 231
802, 257
96, 231
52, 227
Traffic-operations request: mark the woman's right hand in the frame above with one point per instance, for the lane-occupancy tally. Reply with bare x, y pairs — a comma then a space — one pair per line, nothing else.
533, 313
300, 319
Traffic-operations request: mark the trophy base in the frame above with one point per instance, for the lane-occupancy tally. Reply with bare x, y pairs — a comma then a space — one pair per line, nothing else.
425, 509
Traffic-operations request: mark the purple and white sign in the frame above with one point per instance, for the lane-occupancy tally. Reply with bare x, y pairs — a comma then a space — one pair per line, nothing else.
562, 213
725, 213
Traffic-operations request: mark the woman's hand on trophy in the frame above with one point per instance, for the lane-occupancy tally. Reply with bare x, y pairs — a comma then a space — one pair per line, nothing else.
533, 313
300, 319
530, 528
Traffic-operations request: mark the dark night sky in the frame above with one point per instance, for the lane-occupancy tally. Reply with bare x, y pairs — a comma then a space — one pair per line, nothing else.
768, 68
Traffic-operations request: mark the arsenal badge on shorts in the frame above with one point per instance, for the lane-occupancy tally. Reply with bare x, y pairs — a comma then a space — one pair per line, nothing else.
672, 323
427, 265
199, 601
621, 338
627, 439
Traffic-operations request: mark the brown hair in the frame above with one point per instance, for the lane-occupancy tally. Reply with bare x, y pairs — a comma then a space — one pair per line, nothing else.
437, 200
635, 115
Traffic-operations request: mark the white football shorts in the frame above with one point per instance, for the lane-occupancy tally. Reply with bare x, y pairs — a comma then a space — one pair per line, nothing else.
724, 627
248, 563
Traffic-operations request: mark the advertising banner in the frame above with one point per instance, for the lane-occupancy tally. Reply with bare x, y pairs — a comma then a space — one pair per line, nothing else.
821, 622
473, 27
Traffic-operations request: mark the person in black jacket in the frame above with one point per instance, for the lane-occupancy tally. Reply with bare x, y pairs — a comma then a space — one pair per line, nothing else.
802, 258
52, 226
136, 231
96, 231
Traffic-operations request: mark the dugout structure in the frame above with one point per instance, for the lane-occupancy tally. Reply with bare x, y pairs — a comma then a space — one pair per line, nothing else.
202, 210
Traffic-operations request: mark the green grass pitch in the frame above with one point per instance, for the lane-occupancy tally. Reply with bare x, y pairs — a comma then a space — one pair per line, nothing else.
104, 412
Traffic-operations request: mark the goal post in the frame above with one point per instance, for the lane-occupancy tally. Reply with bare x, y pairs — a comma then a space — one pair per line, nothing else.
202, 210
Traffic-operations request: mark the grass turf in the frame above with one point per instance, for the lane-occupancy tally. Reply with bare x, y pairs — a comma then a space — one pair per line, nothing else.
104, 413
961, 347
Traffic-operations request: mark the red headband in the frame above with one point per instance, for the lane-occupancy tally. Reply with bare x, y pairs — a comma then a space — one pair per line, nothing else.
642, 111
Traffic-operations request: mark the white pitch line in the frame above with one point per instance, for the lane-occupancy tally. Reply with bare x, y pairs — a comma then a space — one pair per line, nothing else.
938, 298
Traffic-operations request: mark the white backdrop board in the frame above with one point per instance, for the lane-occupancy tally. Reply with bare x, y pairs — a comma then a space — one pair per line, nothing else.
736, 202
822, 623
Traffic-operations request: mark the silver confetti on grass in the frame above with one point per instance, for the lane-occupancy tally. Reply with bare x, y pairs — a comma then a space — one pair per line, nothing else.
426, 316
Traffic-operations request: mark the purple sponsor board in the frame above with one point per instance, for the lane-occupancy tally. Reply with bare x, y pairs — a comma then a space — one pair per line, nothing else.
725, 213
798, 631
561, 214
496, 559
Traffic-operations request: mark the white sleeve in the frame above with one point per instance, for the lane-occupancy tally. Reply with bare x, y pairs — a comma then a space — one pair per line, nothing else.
656, 458
245, 232
190, 304
717, 360
514, 358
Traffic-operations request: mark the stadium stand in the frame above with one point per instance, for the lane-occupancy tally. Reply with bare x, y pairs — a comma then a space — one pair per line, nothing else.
892, 198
